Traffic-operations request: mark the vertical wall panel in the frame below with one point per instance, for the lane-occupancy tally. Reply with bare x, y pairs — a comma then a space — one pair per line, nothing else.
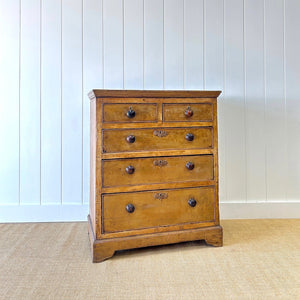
9, 101
30, 103
113, 43
54, 52
276, 175
72, 101
133, 44
213, 46
292, 50
193, 44
153, 44
255, 100
92, 76
51, 102
213, 74
234, 100
173, 44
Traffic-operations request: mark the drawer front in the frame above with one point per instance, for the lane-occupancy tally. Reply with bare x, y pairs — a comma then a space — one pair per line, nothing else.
188, 112
126, 172
134, 112
157, 139
140, 210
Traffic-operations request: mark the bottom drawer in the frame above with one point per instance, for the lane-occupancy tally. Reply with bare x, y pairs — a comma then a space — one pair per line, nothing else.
141, 210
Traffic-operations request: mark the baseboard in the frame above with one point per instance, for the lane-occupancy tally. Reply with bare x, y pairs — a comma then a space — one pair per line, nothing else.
74, 213
43, 213
264, 210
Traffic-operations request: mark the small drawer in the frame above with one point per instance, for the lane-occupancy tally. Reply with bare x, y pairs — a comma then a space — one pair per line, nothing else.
194, 112
155, 170
124, 140
140, 210
131, 112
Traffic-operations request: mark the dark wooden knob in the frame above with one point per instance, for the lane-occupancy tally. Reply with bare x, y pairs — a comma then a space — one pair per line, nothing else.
189, 137
188, 113
130, 208
130, 113
130, 139
189, 165
130, 170
192, 202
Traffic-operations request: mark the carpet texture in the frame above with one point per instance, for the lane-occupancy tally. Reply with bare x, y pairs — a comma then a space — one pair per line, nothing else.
260, 259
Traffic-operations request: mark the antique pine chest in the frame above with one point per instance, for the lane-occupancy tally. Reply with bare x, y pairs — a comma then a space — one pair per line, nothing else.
154, 169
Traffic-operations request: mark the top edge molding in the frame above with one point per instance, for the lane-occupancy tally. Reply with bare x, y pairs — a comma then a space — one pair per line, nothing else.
99, 93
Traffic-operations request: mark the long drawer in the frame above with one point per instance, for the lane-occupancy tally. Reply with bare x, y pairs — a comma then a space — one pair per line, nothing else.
129, 211
157, 139
137, 171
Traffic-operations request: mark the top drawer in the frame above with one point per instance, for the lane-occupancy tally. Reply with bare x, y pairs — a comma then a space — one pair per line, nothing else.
129, 112
194, 112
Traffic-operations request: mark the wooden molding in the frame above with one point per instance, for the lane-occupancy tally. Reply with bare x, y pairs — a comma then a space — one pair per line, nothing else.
152, 93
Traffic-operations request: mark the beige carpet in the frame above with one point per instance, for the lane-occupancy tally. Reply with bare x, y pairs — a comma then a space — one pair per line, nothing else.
260, 260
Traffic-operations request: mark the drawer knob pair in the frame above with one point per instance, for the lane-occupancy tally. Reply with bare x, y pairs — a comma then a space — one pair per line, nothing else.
188, 113
131, 138
130, 207
189, 165
131, 113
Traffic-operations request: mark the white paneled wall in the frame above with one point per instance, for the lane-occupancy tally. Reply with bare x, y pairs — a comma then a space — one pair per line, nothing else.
53, 52
50, 103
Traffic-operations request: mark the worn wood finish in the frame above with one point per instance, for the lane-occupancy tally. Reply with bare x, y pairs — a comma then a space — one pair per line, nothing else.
135, 125
152, 94
103, 249
157, 208
93, 134
157, 170
173, 100
175, 152
157, 139
188, 112
154, 169
120, 113
151, 186
216, 162
157, 229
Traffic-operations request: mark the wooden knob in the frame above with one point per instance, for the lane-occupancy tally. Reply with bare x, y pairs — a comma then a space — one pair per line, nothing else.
130, 208
188, 113
130, 113
189, 165
130, 170
189, 137
192, 202
130, 139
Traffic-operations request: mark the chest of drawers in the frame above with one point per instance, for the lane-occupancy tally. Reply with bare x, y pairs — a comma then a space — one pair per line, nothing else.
153, 169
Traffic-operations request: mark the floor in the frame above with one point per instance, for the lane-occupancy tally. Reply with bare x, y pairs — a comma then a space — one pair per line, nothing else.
260, 259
